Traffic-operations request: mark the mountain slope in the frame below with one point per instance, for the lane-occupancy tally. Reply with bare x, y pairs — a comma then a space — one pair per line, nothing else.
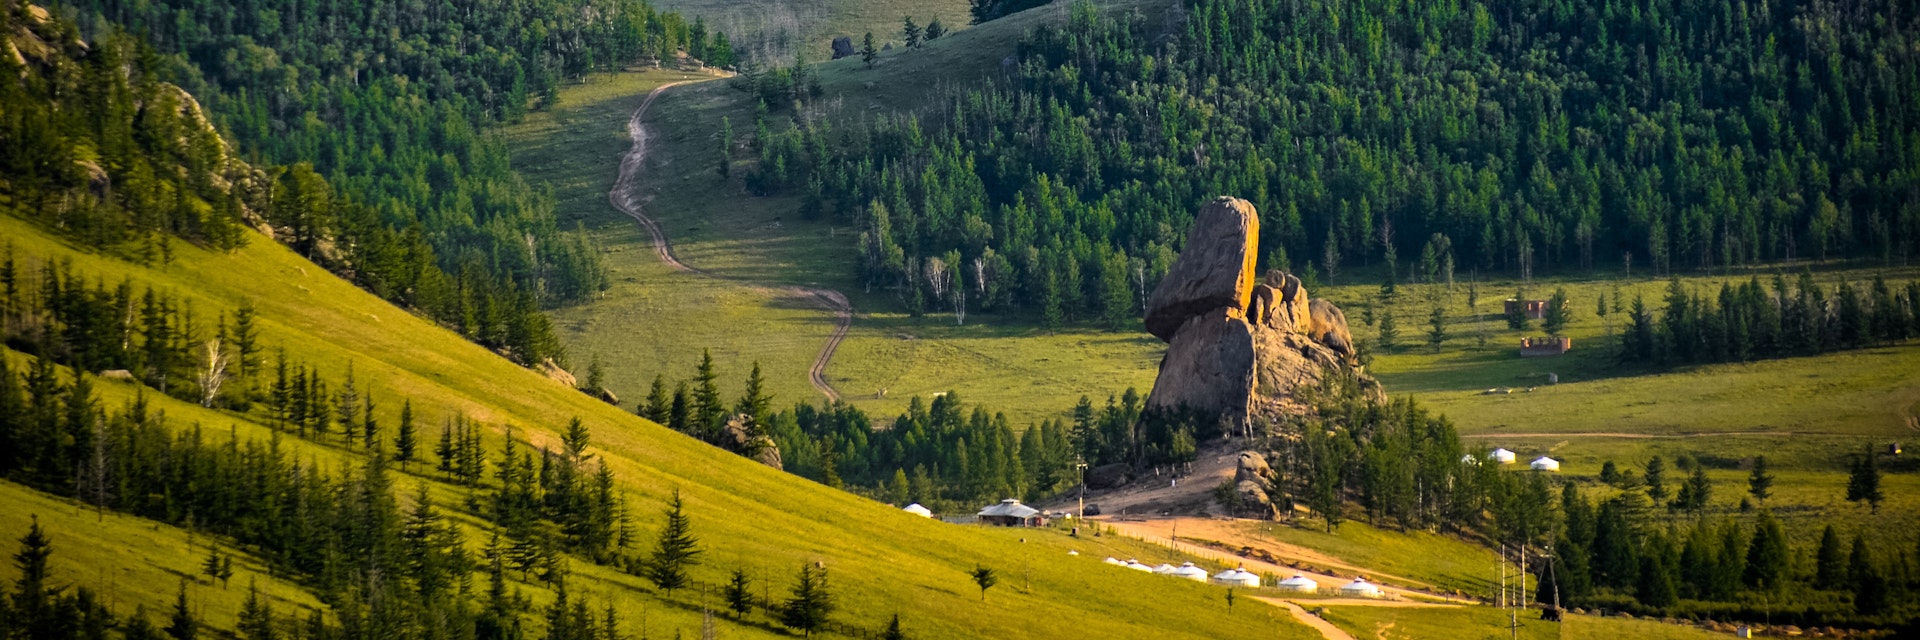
748, 516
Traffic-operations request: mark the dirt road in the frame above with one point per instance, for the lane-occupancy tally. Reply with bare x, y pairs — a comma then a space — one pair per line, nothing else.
1161, 531
625, 198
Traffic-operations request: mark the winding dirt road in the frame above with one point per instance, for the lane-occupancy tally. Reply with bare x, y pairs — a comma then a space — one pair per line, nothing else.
624, 198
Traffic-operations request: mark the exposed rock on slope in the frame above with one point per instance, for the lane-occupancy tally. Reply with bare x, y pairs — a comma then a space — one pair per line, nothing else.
1239, 350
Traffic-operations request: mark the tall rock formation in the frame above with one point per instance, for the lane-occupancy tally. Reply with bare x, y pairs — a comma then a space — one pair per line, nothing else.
1236, 349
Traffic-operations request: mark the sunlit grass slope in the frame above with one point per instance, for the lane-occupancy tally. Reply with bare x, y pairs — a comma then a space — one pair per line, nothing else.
748, 516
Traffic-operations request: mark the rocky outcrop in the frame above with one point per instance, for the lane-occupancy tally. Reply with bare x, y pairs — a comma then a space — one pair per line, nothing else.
1235, 349
740, 435
842, 47
1219, 275
1252, 488
553, 371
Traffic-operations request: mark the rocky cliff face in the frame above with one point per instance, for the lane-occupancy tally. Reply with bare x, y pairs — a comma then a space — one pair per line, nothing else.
1235, 348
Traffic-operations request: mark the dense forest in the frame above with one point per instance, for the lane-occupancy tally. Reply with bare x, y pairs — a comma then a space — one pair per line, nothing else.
1753, 321
364, 127
1511, 137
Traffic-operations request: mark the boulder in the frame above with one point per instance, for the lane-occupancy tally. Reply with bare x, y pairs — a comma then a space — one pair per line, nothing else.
1215, 269
606, 395
1253, 501
742, 436
1209, 367
1290, 308
1252, 466
1328, 326
842, 47
117, 374
553, 372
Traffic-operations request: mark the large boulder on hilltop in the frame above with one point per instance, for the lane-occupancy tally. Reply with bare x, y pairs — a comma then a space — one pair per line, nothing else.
842, 47
1246, 354
1328, 325
1209, 367
1215, 269
1252, 465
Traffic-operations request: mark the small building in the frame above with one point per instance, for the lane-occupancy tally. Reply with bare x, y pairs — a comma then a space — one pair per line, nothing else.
1544, 463
1137, 566
918, 510
1545, 346
1503, 456
1360, 588
1114, 561
1298, 584
1237, 577
1010, 513
1535, 309
1190, 572
1164, 569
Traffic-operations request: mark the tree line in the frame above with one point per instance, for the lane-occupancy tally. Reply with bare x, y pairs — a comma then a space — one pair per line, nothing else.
1753, 321
1548, 135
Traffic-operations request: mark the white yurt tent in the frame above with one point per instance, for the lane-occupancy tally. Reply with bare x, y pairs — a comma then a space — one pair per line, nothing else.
1242, 578
1164, 569
1546, 464
1299, 584
1503, 456
918, 510
1135, 564
1114, 561
1190, 572
1360, 588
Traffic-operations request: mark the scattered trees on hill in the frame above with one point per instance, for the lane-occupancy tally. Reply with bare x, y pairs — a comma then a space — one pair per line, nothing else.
808, 609
1751, 321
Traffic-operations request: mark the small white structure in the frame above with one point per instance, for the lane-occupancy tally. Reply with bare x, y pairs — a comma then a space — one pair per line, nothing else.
1469, 460
1299, 584
1164, 569
1114, 561
918, 510
1135, 564
1546, 464
1503, 456
1072, 552
1190, 572
1360, 588
1237, 578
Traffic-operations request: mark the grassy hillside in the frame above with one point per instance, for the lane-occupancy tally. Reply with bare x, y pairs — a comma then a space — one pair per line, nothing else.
747, 516
655, 321
778, 30
131, 562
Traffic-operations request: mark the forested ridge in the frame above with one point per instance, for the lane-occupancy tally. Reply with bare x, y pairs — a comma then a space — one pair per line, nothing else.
363, 126
1661, 135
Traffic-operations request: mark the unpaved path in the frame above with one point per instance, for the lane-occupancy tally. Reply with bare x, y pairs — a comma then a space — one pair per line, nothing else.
625, 199
1326, 629
1160, 531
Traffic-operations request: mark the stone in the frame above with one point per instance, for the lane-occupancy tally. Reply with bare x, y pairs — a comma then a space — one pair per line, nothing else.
606, 395
1252, 466
1290, 311
553, 372
1108, 476
842, 47
117, 374
742, 436
1215, 269
1209, 367
1328, 326
1253, 501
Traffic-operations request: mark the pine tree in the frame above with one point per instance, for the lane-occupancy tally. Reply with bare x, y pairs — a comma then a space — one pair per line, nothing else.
182, 625
707, 409
1760, 482
1516, 313
1829, 568
676, 551
811, 603
867, 52
403, 439
1864, 483
893, 631
1437, 331
756, 402
935, 29
32, 601
1656, 587
985, 578
1767, 555
738, 593
655, 408
911, 32
1656, 478
1559, 312
211, 566
256, 616
1869, 585
1389, 331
